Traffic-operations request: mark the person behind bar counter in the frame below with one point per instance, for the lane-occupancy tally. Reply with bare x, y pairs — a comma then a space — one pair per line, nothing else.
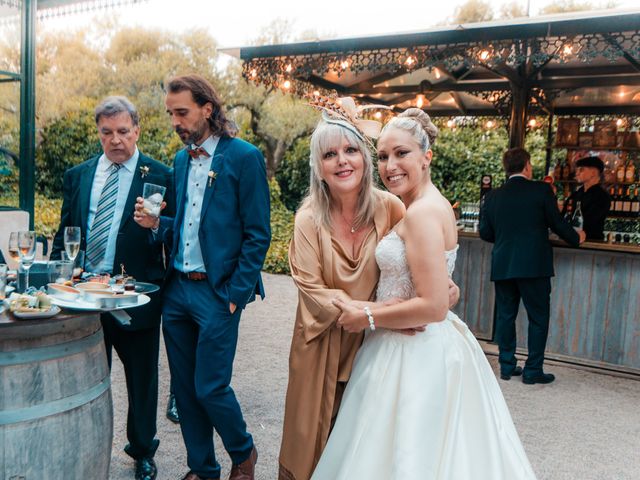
595, 202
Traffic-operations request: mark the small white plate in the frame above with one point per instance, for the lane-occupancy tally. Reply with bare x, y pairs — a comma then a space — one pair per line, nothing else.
84, 306
54, 310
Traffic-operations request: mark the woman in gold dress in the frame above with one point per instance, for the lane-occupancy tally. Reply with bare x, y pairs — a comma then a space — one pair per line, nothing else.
332, 253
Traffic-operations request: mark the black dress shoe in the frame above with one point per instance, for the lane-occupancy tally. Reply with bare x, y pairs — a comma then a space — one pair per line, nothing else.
146, 469
172, 409
542, 378
516, 372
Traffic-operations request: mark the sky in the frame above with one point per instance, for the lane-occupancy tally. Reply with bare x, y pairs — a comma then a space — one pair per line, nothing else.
236, 23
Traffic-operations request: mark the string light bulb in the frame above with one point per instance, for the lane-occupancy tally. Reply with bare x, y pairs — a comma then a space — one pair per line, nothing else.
437, 73
484, 54
619, 122
532, 123
421, 100
378, 115
289, 68
451, 123
409, 61
254, 73
490, 124
316, 93
567, 49
286, 84
344, 64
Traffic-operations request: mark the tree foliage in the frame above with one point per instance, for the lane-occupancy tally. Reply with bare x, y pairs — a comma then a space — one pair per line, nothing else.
565, 6
473, 11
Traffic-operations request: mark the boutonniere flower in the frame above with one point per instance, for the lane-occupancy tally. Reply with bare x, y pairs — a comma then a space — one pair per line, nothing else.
144, 171
212, 177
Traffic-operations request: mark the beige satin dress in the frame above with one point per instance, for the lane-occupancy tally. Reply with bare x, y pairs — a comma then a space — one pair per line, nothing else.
321, 354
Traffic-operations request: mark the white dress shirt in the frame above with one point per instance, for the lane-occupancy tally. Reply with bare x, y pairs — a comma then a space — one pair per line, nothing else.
125, 177
189, 256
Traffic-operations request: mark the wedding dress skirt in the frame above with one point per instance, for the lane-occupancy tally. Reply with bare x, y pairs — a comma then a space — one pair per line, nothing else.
421, 407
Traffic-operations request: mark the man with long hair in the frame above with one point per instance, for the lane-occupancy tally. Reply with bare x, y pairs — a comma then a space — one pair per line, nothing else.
218, 241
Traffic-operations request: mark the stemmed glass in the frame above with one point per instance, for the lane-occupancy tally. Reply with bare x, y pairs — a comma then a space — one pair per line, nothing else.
72, 242
27, 248
14, 251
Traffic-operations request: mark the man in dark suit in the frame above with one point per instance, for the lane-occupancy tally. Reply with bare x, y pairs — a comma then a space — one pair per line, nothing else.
219, 239
517, 217
99, 197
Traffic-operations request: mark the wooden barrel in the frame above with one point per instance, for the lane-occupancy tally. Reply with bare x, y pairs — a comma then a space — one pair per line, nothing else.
56, 415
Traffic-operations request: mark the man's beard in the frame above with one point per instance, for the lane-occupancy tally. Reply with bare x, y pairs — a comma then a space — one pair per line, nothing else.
193, 136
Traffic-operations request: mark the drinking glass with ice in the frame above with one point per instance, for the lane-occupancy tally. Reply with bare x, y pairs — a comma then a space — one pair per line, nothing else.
153, 196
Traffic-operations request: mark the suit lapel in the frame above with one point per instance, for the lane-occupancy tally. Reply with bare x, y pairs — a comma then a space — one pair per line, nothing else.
217, 163
216, 166
86, 182
135, 190
181, 175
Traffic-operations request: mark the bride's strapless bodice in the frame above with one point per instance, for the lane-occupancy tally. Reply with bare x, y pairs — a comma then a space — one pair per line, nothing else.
395, 277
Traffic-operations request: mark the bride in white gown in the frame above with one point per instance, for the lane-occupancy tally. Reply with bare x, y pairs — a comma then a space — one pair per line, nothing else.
426, 406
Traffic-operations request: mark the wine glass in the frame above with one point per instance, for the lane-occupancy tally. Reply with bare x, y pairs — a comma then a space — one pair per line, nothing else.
14, 251
27, 248
72, 242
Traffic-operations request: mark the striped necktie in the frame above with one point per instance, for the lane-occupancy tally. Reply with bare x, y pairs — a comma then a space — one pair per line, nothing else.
99, 235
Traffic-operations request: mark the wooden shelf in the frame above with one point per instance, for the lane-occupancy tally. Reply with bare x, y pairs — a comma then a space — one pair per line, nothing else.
610, 184
598, 149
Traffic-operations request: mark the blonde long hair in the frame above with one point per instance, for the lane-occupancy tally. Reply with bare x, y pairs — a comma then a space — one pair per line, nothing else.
327, 136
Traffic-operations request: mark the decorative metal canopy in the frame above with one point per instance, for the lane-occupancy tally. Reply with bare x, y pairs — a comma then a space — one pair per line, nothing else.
566, 64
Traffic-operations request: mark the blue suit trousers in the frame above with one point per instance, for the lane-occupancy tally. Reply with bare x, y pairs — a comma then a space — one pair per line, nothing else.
201, 337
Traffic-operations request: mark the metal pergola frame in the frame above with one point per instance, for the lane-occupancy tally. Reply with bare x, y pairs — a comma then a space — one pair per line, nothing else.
30, 10
510, 68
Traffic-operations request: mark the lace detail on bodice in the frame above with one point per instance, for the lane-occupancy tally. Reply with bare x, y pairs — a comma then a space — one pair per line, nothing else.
395, 277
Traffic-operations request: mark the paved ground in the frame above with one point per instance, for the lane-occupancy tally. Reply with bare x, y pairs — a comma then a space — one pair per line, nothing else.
585, 426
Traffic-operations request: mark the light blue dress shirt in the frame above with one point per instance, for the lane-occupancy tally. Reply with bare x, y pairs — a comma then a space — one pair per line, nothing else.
189, 256
125, 178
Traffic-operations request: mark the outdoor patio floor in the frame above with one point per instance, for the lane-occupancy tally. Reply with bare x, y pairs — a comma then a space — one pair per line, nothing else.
585, 426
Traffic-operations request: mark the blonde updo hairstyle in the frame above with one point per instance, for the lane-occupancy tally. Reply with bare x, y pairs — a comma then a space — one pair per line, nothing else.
325, 137
418, 124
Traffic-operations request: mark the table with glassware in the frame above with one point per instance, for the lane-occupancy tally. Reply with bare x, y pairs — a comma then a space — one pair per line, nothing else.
595, 301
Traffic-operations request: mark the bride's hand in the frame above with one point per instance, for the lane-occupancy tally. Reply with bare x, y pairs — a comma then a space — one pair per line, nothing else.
454, 293
353, 319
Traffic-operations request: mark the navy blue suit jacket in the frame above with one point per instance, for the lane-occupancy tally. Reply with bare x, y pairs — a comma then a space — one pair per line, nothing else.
517, 217
235, 224
145, 264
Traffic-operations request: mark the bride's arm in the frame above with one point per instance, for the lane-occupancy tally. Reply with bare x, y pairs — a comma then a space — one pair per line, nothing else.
425, 250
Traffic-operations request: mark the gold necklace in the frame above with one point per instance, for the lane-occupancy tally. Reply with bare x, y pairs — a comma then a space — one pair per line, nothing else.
352, 227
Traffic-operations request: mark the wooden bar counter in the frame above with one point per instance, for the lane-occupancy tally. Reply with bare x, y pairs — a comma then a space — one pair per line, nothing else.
56, 417
595, 302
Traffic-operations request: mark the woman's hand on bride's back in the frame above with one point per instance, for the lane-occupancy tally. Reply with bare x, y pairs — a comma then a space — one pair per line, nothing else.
454, 294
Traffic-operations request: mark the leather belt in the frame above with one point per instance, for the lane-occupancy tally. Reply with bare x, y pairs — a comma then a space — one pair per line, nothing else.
194, 276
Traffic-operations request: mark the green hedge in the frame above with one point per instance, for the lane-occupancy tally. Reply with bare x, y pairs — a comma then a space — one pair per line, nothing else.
277, 260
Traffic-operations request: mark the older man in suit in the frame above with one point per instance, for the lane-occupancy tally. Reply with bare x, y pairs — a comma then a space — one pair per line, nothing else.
99, 197
517, 217
219, 239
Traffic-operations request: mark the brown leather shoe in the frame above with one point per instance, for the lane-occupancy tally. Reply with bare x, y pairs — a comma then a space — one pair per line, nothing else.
193, 476
245, 470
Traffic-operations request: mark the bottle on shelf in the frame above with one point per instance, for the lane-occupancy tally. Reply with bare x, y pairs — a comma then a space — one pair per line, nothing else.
612, 195
630, 172
618, 202
635, 204
620, 172
577, 221
626, 203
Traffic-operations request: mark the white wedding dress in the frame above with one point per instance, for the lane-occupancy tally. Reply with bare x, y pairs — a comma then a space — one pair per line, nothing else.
421, 407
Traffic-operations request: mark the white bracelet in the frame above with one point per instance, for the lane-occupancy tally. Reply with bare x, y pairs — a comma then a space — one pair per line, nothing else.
369, 315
